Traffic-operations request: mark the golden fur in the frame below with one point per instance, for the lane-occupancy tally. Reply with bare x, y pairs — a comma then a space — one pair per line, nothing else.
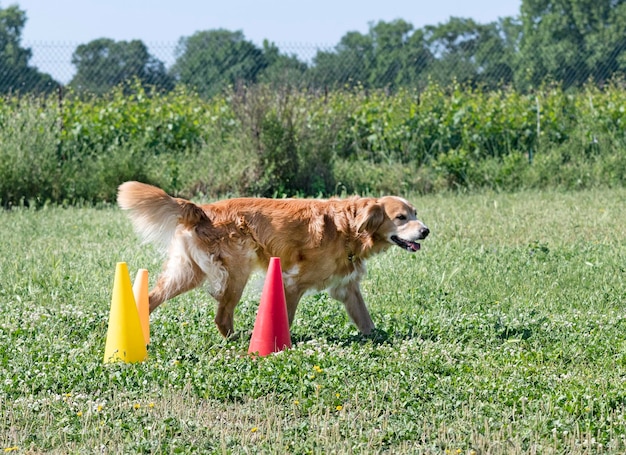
322, 244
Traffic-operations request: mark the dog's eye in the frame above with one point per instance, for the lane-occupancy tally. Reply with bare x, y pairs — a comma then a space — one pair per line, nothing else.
401, 217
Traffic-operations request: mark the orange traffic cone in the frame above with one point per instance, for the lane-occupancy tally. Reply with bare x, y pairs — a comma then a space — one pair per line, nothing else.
140, 291
271, 328
125, 340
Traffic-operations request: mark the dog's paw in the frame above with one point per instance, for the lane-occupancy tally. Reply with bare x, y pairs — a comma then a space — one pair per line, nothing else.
378, 335
233, 336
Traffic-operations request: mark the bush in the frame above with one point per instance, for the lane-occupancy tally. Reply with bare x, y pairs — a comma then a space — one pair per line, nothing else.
30, 162
261, 140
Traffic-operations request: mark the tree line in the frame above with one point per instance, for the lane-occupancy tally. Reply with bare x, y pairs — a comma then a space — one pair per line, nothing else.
568, 42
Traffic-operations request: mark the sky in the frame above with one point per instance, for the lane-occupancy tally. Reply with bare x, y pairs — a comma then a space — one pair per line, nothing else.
54, 28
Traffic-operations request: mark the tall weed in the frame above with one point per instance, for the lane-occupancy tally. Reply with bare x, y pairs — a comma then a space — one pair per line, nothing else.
290, 138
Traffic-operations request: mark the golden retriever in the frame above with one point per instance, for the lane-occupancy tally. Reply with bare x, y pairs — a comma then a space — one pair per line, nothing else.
322, 244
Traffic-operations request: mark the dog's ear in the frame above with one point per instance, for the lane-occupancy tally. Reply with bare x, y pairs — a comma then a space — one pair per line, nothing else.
370, 217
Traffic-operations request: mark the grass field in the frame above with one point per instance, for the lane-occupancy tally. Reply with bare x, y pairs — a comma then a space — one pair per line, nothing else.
506, 334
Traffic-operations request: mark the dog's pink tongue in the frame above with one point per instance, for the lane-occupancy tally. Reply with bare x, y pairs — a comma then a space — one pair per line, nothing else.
415, 246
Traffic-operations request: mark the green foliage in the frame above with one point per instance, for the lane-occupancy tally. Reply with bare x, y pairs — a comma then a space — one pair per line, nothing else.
210, 61
141, 135
392, 55
282, 71
261, 140
104, 63
349, 65
571, 42
472, 53
289, 137
567, 42
15, 74
30, 163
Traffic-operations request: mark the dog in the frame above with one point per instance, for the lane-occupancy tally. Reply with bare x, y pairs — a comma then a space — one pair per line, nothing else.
322, 244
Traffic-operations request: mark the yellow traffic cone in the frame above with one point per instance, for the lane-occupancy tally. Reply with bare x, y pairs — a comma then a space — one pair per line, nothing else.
140, 291
125, 340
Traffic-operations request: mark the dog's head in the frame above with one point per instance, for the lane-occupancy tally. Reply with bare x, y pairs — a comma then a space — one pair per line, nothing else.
394, 220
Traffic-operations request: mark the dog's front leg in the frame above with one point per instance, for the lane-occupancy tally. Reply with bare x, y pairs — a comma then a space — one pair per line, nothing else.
350, 296
227, 302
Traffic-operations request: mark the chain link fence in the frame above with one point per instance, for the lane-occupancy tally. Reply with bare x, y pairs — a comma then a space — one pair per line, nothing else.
55, 58
210, 61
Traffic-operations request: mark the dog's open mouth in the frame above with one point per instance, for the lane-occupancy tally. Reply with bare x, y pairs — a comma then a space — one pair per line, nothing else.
405, 244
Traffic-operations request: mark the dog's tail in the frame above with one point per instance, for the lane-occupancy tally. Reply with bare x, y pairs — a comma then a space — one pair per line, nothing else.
155, 214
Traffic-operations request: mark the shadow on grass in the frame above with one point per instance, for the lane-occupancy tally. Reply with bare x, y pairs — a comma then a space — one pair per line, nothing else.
377, 337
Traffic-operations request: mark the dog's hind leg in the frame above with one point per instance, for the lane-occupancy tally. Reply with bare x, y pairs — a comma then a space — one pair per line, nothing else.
350, 296
174, 281
292, 298
181, 273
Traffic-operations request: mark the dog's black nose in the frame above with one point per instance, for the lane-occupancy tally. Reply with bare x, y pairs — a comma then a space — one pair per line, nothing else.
424, 232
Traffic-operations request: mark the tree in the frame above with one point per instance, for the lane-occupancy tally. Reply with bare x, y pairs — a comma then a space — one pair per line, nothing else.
209, 61
281, 70
348, 65
472, 53
104, 63
15, 74
417, 60
396, 56
390, 55
505, 66
572, 41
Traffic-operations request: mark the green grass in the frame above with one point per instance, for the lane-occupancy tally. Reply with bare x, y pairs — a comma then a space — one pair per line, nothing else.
506, 334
